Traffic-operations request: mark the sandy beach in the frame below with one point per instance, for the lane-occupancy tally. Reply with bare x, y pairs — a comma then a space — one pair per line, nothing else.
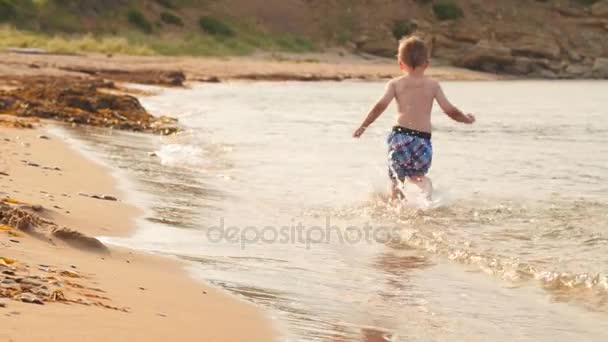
89, 292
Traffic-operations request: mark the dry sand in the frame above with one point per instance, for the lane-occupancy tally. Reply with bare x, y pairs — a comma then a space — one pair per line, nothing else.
124, 295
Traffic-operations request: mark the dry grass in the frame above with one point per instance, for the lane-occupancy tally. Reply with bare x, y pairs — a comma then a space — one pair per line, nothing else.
134, 43
10, 37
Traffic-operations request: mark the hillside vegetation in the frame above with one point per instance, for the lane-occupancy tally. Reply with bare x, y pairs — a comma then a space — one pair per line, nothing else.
546, 38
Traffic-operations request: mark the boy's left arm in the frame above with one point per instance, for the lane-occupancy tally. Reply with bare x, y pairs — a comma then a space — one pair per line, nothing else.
378, 109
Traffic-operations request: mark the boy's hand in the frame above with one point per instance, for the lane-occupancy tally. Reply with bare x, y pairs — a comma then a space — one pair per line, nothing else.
469, 119
359, 132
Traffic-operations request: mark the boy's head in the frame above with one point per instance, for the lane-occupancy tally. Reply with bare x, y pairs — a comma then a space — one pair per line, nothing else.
413, 53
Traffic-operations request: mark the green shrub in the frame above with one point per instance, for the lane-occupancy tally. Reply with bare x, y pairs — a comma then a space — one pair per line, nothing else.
59, 20
215, 26
7, 11
170, 18
294, 44
447, 10
403, 28
166, 3
587, 2
139, 20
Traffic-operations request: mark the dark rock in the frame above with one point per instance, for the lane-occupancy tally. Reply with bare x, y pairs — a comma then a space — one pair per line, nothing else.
382, 45
174, 78
487, 56
29, 298
577, 70
6, 102
41, 292
600, 9
521, 66
210, 79
535, 46
8, 281
80, 101
31, 282
600, 68
570, 12
544, 73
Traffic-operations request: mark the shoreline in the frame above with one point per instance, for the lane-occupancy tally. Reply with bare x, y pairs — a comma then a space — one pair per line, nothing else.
174, 71
127, 294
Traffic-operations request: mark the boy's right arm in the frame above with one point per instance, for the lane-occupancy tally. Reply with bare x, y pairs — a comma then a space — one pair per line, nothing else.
448, 108
379, 108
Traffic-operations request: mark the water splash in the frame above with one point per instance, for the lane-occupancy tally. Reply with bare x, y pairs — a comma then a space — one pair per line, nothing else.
176, 154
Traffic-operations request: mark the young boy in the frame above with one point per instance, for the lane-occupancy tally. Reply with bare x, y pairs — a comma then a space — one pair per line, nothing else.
410, 148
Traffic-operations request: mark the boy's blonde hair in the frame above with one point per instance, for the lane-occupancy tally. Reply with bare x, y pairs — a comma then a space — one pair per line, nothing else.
413, 52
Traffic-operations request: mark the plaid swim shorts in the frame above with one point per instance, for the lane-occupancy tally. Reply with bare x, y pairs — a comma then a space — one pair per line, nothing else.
410, 153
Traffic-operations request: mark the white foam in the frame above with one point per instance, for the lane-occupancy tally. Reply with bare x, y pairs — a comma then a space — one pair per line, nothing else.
415, 198
178, 154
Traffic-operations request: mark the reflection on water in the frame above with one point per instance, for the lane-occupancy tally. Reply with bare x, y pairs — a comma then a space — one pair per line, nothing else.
516, 246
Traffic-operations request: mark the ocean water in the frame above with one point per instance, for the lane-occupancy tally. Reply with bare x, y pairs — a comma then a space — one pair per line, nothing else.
268, 197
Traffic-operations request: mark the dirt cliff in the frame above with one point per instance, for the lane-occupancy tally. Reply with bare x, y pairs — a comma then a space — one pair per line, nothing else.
535, 38
549, 39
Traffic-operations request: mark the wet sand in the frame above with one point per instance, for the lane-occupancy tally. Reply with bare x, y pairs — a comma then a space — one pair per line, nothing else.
89, 293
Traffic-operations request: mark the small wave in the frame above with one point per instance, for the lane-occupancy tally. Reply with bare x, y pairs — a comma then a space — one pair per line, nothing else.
521, 264
517, 243
177, 154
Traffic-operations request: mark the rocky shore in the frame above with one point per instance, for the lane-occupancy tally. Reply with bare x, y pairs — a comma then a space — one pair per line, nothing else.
556, 40
81, 101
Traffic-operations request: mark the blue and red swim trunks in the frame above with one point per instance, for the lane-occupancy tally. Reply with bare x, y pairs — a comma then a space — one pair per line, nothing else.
410, 153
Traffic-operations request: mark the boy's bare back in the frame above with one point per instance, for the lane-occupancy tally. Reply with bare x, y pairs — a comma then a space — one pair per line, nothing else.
414, 96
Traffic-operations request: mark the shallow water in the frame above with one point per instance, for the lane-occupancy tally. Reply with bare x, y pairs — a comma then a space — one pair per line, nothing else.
268, 197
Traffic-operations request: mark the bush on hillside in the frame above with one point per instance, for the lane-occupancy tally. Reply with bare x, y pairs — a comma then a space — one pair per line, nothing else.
139, 20
7, 11
170, 18
447, 10
215, 26
587, 2
403, 28
166, 3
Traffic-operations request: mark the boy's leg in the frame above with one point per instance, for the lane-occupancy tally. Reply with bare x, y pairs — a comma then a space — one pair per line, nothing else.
396, 192
425, 185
